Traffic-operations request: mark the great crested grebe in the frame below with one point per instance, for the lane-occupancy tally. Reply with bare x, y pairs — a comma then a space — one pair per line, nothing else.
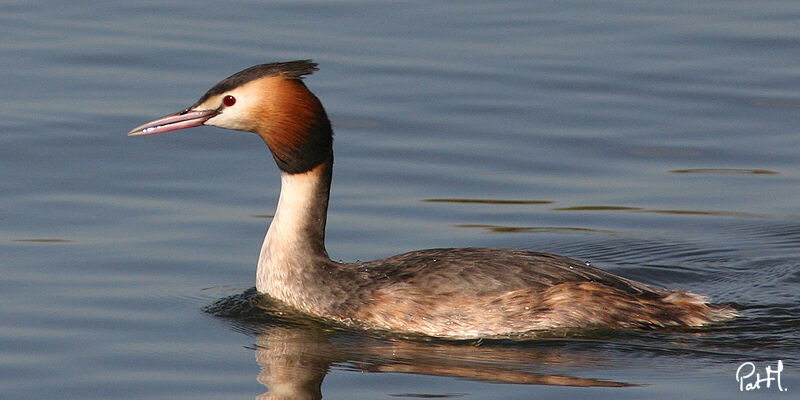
453, 293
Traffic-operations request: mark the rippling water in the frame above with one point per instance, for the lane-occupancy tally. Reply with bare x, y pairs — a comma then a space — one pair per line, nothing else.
656, 139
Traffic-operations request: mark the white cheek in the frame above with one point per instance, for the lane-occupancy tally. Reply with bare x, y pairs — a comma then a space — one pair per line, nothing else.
228, 120
236, 117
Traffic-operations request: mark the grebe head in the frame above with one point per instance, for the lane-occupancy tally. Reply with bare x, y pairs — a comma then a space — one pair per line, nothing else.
270, 100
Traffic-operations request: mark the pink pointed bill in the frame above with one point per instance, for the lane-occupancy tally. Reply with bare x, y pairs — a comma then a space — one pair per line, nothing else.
180, 120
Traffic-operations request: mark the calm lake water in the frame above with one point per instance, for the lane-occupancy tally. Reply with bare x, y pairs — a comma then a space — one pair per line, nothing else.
658, 140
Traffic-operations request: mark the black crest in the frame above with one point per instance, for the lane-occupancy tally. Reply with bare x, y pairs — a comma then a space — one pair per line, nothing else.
289, 69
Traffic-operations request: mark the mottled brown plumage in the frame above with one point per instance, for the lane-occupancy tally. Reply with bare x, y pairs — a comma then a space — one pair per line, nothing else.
484, 292
454, 293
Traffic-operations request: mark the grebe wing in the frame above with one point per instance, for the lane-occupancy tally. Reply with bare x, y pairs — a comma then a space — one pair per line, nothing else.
489, 270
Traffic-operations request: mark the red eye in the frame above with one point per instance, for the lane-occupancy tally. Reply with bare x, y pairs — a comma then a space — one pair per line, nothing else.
229, 100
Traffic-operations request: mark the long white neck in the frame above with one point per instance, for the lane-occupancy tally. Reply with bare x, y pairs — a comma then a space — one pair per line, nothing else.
295, 244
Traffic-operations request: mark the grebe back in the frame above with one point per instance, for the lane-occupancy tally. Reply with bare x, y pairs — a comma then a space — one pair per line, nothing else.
453, 293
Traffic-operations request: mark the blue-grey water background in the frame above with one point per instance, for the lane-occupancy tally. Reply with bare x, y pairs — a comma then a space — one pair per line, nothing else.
656, 139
